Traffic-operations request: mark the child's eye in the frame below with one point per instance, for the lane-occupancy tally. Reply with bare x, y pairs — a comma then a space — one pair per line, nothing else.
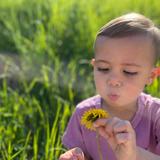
103, 69
130, 73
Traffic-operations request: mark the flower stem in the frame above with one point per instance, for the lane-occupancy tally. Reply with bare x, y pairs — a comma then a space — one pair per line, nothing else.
98, 145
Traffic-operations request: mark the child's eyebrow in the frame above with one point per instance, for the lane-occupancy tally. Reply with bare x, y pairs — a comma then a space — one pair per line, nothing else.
123, 64
131, 64
102, 61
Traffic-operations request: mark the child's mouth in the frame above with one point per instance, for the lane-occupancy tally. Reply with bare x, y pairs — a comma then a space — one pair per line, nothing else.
113, 97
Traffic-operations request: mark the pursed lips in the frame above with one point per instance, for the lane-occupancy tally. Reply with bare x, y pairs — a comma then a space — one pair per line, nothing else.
113, 97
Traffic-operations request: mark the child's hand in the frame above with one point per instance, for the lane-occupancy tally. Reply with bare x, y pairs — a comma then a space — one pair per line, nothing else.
120, 135
73, 154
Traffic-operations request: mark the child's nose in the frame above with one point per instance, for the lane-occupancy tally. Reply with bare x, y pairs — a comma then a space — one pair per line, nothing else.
114, 82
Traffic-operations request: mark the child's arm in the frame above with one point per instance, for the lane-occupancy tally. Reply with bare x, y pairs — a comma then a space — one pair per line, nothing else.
74, 154
146, 155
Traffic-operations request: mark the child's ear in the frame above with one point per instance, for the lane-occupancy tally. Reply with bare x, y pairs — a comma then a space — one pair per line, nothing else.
92, 61
154, 74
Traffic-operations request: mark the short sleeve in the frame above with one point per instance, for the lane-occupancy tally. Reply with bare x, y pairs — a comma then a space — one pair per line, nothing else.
155, 139
157, 135
73, 135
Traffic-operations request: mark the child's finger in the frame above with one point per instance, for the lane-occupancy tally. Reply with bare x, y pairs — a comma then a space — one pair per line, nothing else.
110, 123
102, 132
73, 154
100, 122
123, 138
107, 125
78, 153
122, 126
75, 158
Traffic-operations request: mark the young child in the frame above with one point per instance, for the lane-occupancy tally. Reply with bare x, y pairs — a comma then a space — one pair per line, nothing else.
126, 51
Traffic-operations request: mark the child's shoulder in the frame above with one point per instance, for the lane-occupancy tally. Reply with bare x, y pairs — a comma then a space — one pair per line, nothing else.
153, 103
91, 102
150, 99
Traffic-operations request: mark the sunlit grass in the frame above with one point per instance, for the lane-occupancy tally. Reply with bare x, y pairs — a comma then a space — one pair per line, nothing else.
51, 44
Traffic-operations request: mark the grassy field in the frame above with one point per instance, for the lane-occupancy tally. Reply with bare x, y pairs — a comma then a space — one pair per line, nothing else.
46, 47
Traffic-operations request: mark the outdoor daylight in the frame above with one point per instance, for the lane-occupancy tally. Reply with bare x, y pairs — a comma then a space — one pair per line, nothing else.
55, 54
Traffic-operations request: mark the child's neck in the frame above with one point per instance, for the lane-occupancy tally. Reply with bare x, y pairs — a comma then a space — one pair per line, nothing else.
123, 112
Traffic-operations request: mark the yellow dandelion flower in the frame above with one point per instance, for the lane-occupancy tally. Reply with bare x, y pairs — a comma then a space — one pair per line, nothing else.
92, 115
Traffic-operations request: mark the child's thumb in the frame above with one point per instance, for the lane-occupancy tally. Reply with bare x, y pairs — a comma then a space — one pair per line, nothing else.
78, 152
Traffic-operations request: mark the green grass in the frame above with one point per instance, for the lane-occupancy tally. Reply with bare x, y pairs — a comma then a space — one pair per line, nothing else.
47, 46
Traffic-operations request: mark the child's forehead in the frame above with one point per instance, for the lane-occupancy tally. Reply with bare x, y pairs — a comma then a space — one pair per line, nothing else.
127, 47
131, 43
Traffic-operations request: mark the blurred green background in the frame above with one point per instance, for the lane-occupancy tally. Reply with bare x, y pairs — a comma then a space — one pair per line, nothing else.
45, 52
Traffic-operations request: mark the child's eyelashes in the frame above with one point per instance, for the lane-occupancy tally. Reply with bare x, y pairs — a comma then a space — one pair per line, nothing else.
130, 73
106, 70
103, 69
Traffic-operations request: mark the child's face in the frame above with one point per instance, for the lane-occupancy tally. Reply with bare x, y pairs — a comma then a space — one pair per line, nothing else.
122, 68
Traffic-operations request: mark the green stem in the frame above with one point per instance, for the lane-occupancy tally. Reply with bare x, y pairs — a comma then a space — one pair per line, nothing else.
98, 145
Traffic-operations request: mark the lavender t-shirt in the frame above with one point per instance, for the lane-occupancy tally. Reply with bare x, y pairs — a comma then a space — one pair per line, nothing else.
146, 123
